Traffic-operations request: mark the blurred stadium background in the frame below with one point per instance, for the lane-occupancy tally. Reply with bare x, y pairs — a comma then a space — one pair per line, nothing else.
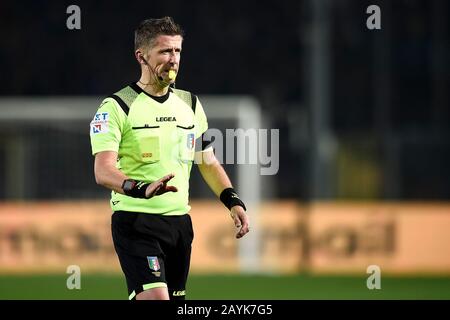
364, 150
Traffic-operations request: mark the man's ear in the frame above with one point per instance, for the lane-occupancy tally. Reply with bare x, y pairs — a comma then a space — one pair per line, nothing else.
140, 57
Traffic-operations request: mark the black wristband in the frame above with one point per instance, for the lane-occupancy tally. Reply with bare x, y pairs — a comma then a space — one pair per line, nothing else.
230, 199
134, 188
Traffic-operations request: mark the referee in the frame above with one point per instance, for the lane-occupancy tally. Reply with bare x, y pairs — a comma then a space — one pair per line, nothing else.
145, 138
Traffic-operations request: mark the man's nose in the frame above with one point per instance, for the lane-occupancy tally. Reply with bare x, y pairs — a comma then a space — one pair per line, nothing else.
173, 57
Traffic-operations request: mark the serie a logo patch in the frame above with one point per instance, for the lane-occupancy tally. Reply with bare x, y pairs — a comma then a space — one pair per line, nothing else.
190, 143
153, 264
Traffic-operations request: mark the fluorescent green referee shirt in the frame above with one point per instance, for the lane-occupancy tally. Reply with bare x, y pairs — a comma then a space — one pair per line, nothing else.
156, 138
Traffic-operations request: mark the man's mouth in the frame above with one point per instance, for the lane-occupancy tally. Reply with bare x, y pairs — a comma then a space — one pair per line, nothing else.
172, 74
169, 73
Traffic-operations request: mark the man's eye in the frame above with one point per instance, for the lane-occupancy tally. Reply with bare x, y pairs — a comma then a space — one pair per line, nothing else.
177, 51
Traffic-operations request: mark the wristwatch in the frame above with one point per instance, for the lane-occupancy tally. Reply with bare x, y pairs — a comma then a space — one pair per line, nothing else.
128, 185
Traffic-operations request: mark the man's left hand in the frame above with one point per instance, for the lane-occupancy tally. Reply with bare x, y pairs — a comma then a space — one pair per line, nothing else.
240, 221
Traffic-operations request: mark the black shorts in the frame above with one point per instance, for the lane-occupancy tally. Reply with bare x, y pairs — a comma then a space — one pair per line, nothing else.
153, 250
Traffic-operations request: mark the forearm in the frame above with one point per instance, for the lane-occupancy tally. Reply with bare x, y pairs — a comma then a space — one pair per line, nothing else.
111, 178
215, 176
106, 173
217, 179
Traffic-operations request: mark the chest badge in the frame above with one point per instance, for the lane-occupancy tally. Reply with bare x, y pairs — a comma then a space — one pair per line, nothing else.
190, 143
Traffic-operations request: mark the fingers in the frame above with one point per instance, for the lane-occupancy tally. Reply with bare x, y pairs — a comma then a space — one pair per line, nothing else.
171, 189
237, 221
167, 178
243, 231
160, 186
153, 188
242, 223
165, 188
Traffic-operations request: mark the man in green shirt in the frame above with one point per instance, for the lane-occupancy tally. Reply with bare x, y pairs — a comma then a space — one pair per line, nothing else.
145, 138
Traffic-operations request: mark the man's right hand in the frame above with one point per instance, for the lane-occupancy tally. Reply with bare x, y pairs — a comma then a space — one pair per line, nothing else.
160, 186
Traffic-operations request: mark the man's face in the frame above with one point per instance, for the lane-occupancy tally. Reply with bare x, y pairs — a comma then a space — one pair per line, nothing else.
164, 55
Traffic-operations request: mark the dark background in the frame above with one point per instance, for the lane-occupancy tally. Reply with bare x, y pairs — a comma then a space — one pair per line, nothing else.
384, 116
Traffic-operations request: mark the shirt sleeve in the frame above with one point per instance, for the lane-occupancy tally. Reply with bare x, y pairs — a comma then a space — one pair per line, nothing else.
200, 119
107, 127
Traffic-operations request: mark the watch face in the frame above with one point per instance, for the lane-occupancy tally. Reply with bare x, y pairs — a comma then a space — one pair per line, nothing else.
128, 185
